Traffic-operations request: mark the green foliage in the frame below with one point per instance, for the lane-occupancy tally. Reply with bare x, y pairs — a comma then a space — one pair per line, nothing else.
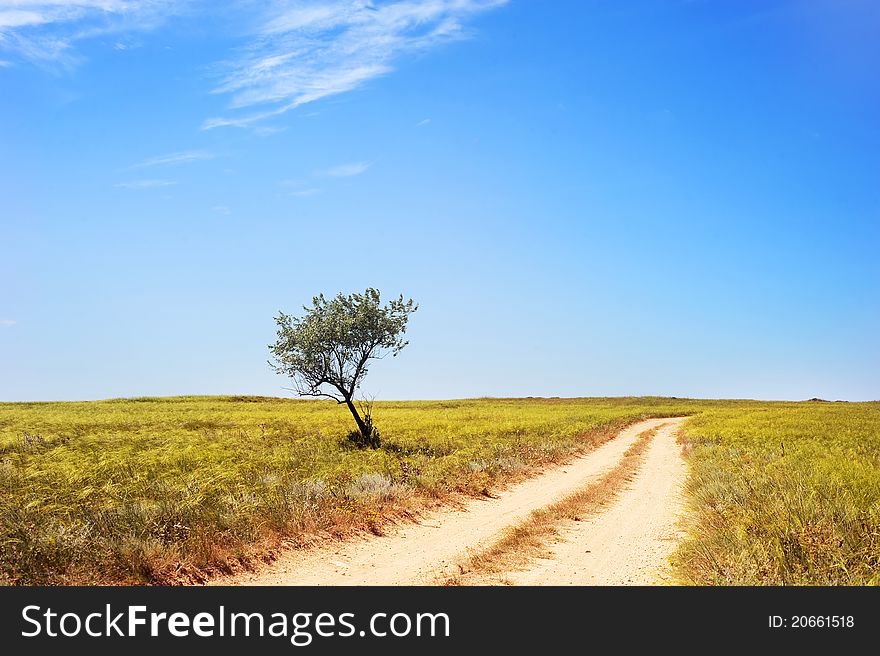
327, 352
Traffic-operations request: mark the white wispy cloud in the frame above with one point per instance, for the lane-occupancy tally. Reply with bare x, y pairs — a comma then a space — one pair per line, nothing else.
304, 193
146, 184
300, 50
268, 130
424, 121
345, 170
301, 188
46, 30
8, 322
308, 50
222, 209
175, 158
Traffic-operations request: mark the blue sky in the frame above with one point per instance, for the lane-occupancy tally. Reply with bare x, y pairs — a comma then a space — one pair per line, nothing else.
586, 198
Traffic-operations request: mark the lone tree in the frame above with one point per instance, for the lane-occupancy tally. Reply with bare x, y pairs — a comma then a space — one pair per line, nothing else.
327, 351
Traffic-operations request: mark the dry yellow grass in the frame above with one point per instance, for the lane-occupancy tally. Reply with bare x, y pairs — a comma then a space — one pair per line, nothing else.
171, 490
783, 494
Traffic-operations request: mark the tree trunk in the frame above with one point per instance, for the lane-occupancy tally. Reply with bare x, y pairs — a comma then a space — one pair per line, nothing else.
362, 427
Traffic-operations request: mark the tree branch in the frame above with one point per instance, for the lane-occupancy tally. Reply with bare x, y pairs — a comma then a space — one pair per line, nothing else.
365, 355
314, 393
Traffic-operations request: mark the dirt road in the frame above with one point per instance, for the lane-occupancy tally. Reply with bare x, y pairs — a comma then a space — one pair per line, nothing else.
628, 544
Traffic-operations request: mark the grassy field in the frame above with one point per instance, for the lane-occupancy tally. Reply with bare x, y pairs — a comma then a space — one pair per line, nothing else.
784, 494
164, 490
172, 490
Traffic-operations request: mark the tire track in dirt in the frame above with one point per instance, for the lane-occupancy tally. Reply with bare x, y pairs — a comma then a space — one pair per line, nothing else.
628, 543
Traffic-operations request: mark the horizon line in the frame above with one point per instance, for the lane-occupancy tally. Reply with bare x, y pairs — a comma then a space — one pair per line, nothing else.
306, 399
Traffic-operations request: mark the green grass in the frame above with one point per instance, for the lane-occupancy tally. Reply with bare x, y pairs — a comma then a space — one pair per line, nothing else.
784, 494
168, 490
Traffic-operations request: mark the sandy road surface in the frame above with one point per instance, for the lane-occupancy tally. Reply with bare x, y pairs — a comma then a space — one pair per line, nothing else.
629, 542
425, 552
